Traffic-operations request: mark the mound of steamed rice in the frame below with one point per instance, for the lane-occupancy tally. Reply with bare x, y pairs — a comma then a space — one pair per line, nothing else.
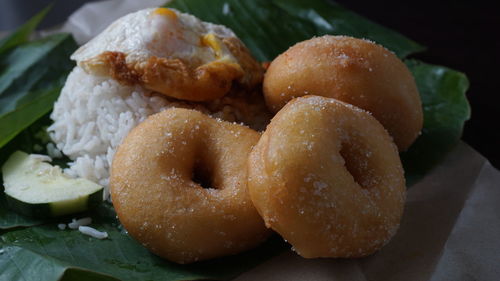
94, 114
91, 118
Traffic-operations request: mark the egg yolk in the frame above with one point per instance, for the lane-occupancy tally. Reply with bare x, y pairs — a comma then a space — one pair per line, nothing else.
213, 42
166, 12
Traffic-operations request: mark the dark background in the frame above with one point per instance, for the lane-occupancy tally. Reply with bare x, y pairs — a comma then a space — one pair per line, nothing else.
463, 35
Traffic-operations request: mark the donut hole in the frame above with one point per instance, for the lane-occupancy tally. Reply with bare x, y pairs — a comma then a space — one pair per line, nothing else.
356, 161
202, 175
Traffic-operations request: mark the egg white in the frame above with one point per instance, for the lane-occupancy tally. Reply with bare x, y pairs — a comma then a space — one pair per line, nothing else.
160, 32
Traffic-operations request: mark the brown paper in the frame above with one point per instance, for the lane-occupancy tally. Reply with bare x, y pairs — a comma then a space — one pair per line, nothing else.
450, 231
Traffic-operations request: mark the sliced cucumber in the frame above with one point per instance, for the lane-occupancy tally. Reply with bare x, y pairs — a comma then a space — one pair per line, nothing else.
38, 189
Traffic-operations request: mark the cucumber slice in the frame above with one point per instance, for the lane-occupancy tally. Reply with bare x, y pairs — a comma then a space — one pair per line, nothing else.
38, 189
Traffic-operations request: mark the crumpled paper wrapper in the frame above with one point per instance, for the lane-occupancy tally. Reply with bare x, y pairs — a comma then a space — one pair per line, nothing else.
450, 229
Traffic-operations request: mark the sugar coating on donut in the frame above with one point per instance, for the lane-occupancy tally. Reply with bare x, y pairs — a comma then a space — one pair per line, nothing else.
352, 70
327, 177
179, 186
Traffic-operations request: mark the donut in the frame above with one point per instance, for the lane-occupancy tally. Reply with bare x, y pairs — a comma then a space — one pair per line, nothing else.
352, 70
179, 186
327, 177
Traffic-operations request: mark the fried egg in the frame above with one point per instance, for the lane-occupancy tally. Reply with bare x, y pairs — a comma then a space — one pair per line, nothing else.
172, 53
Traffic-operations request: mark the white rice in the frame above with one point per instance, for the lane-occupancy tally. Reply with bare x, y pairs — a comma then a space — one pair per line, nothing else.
91, 118
52, 151
40, 157
94, 114
90, 231
76, 223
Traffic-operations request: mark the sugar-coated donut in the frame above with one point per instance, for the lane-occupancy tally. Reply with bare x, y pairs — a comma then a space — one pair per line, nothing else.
179, 186
327, 177
352, 70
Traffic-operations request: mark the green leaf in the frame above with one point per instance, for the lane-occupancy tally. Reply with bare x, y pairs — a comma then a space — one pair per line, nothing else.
31, 78
47, 251
256, 23
10, 219
22, 34
445, 106
331, 18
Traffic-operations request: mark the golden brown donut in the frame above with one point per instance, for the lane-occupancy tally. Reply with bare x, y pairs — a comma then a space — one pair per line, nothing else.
352, 70
327, 177
179, 186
